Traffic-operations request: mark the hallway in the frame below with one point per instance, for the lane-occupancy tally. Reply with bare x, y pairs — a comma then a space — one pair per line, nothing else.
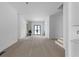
35, 47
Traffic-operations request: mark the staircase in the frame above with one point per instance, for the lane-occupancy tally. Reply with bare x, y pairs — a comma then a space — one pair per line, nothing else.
59, 42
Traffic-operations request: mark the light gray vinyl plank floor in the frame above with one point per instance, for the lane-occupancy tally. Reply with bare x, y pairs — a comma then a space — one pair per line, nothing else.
35, 47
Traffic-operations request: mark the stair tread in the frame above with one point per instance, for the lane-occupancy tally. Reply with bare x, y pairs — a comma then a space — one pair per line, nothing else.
60, 42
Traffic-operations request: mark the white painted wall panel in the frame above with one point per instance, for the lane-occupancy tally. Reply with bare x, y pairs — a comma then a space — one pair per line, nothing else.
8, 26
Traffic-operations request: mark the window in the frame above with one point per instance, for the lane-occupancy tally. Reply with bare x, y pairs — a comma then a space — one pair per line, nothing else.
37, 29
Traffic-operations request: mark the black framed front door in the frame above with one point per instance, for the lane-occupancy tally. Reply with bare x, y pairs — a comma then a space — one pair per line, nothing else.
37, 29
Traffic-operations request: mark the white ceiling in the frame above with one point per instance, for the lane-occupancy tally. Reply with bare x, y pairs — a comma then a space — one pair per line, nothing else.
36, 11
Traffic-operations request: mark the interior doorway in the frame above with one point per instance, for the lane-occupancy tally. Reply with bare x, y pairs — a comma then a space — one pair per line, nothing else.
37, 29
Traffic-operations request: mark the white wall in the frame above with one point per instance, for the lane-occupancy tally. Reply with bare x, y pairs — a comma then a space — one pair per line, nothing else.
66, 27
74, 17
56, 25
46, 27
23, 27
8, 26
71, 26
